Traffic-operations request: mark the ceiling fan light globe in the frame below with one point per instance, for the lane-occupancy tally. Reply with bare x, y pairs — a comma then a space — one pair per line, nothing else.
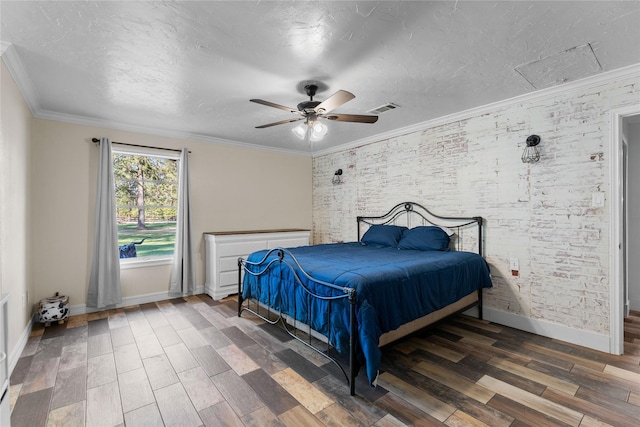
318, 131
319, 127
299, 131
315, 137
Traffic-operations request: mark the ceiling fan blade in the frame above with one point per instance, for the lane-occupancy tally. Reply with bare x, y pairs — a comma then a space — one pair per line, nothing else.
271, 104
334, 101
281, 122
354, 118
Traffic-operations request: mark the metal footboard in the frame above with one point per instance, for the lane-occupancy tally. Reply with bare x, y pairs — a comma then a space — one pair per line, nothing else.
293, 324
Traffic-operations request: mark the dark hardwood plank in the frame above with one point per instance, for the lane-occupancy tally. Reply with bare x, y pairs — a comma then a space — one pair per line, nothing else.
49, 348
276, 331
238, 394
215, 337
620, 406
361, 407
55, 330
226, 309
598, 409
625, 383
196, 319
532, 401
98, 327
302, 366
536, 355
465, 348
523, 414
468, 367
71, 387
569, 358
238, 337
460, 400
208, 300
277, 399
210, 360
21, 370
405, 412
522, 383
76, 335
264, 358
32, 408
132, 314
148, 306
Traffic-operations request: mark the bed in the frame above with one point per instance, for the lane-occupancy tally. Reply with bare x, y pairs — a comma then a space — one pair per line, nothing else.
408, 269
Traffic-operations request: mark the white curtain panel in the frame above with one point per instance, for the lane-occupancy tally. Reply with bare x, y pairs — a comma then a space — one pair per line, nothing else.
183, 271
104, 282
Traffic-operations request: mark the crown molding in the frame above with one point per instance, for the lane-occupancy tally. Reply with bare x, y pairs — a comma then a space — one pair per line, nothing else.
3, 47
20, 76
592, 81
26, 88
107, 124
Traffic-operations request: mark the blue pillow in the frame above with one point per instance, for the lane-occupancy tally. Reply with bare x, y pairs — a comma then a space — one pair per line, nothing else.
425, 238
385, 235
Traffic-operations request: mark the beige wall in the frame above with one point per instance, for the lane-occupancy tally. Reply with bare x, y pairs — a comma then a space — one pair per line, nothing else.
232, 188
47, 194
15, 213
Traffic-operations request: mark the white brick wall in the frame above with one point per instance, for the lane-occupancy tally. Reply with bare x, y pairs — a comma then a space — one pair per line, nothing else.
540, 213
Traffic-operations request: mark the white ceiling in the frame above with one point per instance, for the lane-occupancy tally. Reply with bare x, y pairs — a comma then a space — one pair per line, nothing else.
188, 69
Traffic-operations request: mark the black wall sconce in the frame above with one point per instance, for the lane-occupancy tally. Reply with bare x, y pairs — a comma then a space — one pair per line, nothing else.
531, 153
337, 177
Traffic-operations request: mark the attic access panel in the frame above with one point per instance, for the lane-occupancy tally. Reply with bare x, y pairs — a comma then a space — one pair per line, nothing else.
571, 64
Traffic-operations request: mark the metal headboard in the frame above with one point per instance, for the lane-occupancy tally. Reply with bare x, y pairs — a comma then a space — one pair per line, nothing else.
411, 214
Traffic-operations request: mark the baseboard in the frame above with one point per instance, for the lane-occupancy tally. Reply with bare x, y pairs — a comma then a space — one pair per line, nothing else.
549, 329
217, 294
16, 352
473, 312
128, 301
634, 304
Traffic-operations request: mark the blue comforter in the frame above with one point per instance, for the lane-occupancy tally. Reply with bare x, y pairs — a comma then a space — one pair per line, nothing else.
392, 286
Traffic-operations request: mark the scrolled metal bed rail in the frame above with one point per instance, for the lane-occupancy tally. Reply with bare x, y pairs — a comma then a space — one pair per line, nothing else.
264, 265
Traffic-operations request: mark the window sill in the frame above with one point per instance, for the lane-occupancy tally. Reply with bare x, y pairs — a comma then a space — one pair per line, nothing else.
128, 263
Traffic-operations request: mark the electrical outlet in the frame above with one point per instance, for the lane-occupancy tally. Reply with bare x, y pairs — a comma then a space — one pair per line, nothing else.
514, 266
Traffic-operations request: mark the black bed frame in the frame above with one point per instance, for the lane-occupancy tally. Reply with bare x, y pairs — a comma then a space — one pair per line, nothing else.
409, 214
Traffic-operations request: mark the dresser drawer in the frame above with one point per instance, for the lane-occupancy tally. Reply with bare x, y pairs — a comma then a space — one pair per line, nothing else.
229, 263
239, 248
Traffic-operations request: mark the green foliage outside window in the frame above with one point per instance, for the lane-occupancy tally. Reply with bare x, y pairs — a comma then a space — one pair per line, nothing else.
146, 202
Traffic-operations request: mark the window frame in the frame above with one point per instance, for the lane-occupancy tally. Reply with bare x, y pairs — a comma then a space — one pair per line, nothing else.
146, 261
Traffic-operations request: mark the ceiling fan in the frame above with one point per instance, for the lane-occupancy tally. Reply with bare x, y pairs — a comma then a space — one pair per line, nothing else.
312, 110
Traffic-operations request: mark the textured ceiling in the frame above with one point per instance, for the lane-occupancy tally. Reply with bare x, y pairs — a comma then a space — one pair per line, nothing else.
189, 68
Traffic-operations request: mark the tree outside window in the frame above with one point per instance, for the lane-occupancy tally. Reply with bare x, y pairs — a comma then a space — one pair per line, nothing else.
146, 203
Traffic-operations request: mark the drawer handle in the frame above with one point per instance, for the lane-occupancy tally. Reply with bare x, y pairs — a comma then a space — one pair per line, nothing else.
2, 356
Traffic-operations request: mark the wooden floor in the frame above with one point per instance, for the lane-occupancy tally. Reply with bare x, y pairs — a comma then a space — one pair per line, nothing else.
194, 362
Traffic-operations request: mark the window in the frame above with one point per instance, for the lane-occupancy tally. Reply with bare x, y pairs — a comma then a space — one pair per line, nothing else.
146, 203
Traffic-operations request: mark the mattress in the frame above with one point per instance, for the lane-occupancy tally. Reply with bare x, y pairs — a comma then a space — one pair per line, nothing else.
393, 287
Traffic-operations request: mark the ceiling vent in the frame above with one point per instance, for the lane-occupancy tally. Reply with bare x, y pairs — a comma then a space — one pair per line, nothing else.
383, 108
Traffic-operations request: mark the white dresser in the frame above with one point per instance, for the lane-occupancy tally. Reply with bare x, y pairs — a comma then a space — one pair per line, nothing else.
223, 249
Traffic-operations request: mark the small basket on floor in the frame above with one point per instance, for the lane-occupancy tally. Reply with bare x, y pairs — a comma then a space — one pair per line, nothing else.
54, 309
